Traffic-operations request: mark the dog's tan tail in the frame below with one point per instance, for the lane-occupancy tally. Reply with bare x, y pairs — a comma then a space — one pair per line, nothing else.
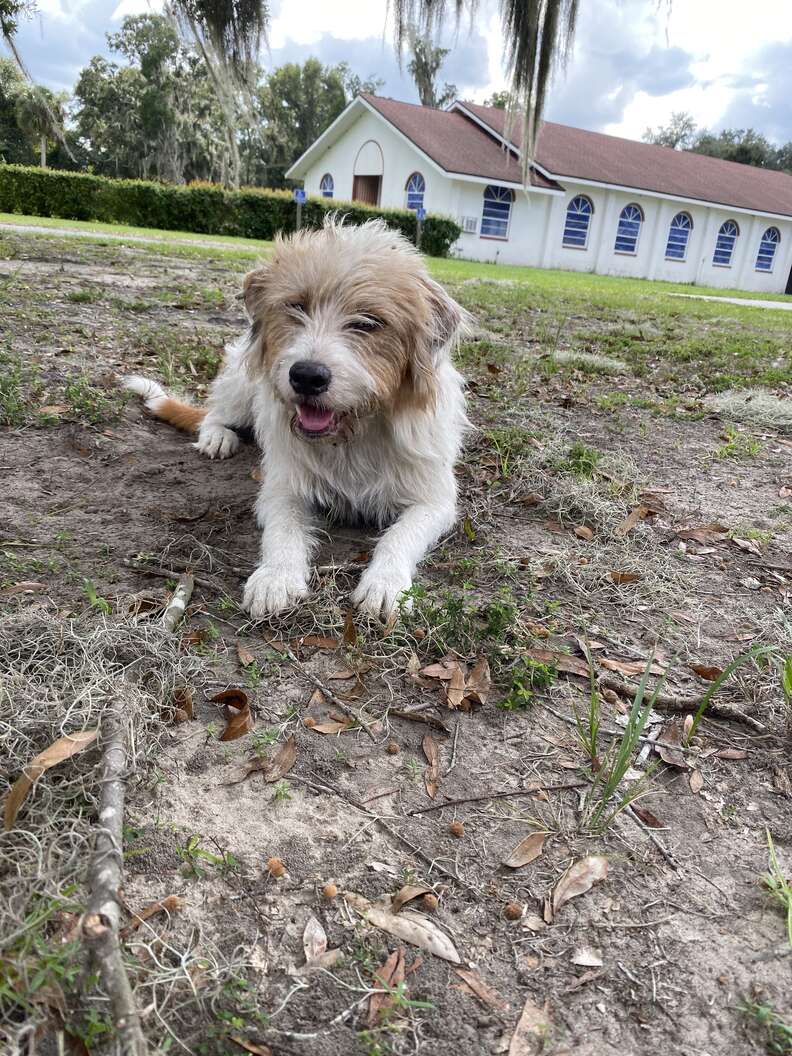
181, 415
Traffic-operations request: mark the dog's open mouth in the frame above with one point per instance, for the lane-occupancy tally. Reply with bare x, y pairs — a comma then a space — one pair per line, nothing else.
314, 422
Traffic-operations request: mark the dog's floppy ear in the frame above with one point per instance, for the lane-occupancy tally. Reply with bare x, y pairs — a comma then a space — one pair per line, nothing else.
253, 287
445, 319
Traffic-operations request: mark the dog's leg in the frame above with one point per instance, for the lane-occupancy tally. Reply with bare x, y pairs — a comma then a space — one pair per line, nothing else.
281, 579
398, 552
229, 403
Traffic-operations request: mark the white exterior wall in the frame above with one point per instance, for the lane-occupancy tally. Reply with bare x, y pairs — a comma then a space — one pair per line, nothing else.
537, 220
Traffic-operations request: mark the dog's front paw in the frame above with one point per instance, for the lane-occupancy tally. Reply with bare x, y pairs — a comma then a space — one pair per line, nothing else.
380, 591
270, 590
215, 441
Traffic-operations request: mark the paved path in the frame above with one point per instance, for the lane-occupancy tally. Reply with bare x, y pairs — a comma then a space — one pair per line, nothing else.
744, 302
174, 240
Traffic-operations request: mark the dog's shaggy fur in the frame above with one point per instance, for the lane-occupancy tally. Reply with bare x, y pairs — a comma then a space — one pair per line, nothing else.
379, 443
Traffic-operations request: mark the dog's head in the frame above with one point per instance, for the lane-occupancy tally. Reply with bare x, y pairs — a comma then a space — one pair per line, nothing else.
348, 324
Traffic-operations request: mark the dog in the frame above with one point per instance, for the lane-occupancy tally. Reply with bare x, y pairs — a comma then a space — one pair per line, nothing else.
346, 379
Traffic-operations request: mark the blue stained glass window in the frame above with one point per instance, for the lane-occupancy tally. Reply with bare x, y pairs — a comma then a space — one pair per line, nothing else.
326, 186
496, 212
578, 219
767, 249
630, 220
416, 185
724, 246
678, 237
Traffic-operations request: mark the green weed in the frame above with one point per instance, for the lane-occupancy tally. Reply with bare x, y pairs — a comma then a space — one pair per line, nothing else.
94, 600
530, 678
778, 885
738, 446
775, 1031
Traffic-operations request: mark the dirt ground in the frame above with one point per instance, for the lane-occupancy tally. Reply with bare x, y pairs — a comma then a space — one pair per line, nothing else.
680, 948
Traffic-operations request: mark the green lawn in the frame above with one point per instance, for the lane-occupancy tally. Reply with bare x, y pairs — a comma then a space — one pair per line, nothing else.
579, 286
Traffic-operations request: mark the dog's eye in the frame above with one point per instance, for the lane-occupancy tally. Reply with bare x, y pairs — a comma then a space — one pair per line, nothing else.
364, 324
297, 308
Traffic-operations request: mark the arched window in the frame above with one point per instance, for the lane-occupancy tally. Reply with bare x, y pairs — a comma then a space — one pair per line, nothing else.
724, 246
767, 249
630, 220
678, 236
326, 186
578, 220
415, 187
497, 211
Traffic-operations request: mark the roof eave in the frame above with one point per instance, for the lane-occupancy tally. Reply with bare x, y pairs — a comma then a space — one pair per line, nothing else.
298, 169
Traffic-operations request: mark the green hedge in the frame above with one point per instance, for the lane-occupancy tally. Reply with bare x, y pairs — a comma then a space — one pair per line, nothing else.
205, 208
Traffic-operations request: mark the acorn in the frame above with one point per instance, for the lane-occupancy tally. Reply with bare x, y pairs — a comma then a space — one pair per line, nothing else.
392, 748
309, 722
513, 911
456, 828
275, 868
429, 902
329, 890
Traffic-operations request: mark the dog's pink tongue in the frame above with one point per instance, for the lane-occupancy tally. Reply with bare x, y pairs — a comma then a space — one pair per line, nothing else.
314, 419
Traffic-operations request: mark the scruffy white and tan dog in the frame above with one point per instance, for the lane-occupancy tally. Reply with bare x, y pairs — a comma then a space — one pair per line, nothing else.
346, 379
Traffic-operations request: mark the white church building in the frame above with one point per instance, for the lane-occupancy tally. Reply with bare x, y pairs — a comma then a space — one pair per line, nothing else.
596, 203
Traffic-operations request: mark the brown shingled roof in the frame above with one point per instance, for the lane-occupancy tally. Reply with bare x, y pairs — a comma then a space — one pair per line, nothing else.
454, 142
576, 153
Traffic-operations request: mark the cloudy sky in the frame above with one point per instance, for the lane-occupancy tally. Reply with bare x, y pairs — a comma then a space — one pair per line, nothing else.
634, 61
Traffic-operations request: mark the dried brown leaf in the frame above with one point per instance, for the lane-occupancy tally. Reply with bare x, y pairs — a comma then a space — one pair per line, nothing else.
731, 753
586, 958
579, 878
582, 531
455, 690
650, 820
319, 641
64, 748
388, 976
475, 985
254, 1047
696, 782
526, 850
630, 667
331, 727
444, 670
246, 658
669, 742
620, 577
408, 926
407, 894
703, 534
314, 939
27, 586
570, 665
284, 760
350, 635
238, 716
532, 1030
431, 750
479, 682
709, 673
638, 513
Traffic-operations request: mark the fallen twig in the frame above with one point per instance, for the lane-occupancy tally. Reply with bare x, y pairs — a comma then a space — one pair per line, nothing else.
419, 716
531, 790
675, 703
100, 924
322, 785
653, 837
178, 603
452, 764
347, 709
165, 573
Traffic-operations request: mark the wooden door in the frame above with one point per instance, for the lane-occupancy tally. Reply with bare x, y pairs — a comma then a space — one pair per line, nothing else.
366, 189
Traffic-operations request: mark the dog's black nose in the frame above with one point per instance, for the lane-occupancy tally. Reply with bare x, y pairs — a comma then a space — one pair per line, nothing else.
308, 378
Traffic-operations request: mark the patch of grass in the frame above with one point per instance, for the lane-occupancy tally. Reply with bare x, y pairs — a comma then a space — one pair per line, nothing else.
738, 446
580, 461
510, 444
775, 1032
591, 362
779, 887
754, 406
89, 402
94, 600
12, 400
281, 792
88, 295
452, 621
529, 678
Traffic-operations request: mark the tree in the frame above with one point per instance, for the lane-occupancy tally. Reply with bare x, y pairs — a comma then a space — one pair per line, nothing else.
40, 114
297, 103
744, 145
14, 146
424, 67
538, 35
500, 100
678, 134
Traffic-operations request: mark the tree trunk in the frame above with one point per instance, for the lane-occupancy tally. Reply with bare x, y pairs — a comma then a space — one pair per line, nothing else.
43, 151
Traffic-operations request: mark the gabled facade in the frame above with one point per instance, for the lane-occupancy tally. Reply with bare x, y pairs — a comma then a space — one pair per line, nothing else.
595, 203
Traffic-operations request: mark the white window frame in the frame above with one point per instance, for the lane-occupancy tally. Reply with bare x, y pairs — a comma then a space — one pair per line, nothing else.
634, 251
584, 247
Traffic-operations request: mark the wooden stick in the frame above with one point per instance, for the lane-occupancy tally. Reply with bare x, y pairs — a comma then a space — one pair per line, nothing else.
671, 702
178, 603
347, 709
501, 795
100, 924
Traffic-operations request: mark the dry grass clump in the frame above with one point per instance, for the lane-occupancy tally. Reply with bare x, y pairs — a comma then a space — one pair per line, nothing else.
58, 677
754, 406
591, 362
